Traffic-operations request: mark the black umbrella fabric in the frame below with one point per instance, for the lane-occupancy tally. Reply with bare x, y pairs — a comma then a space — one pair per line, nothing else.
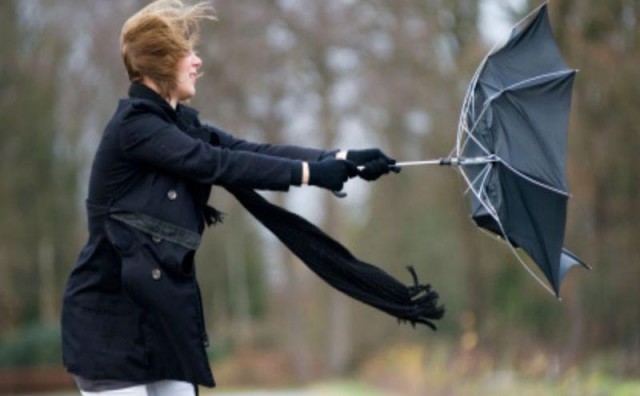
512, 143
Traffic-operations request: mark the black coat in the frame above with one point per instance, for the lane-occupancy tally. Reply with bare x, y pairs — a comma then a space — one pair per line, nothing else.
132, 309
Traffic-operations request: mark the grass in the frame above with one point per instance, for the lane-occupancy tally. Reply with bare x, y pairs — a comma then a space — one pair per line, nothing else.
412, 370
347, 388
500, 384
458, 370
330, 388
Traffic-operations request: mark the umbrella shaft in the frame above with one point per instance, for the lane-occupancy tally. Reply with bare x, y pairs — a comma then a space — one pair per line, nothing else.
416, 163
450, 161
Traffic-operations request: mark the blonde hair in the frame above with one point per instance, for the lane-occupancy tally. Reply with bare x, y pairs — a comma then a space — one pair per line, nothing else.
154, 39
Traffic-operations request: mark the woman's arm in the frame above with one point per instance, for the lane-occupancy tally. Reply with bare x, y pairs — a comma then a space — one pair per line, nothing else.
226, 140
147, 139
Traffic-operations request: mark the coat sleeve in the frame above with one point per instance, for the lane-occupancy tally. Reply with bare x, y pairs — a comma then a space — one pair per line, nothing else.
148, 140
229, 141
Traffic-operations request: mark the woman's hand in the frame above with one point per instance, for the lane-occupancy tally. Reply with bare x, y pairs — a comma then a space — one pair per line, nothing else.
331, 173
372, 163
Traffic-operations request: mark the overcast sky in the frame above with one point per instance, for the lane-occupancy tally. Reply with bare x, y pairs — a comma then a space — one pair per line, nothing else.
495, 22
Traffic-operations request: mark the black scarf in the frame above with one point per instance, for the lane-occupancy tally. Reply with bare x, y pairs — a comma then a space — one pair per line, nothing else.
338, 267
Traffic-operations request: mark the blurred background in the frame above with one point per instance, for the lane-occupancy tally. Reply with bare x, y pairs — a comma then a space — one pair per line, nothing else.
349, 74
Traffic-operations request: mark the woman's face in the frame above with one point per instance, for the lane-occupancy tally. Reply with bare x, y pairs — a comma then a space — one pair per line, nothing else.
186, 77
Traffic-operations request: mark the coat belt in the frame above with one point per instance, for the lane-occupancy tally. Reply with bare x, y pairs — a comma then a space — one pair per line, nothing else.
167, 231
148, 224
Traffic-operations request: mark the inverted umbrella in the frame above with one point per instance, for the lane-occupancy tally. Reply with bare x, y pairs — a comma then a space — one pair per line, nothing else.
511, 146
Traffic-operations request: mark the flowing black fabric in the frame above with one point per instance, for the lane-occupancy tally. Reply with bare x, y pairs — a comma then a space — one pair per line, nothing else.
338, 267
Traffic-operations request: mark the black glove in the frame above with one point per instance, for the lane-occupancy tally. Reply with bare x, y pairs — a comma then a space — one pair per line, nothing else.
361, 157
331, 173
372, 170
373, 163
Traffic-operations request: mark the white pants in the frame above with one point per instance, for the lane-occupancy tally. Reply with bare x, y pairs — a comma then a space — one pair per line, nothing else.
160, 388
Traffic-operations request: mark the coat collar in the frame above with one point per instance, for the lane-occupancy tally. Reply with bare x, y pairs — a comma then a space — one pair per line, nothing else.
185, 116
141, 91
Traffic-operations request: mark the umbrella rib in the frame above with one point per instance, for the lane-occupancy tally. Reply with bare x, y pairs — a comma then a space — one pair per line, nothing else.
463, 130
469, 100
532, 180
489, 207
516, 85
468, 103
500, 43
463, 127
484, 173
478, 194
514, 251
492, 211
469, 133
526, 267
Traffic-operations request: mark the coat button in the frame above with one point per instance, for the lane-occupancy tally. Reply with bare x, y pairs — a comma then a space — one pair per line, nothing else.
156, 239
172, 194
156, 274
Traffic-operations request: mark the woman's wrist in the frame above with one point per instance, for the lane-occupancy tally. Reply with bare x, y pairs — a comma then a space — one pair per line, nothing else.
341, 154
305, 173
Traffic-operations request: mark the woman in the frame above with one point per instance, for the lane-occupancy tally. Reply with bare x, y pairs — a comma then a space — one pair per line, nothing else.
132, 320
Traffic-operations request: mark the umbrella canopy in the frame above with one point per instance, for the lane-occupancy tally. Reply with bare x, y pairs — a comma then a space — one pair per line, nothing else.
512, 142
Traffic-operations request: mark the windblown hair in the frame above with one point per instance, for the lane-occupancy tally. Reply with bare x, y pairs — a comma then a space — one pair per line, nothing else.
153, 40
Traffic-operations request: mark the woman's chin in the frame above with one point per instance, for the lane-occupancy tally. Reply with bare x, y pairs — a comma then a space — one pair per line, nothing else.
186, 97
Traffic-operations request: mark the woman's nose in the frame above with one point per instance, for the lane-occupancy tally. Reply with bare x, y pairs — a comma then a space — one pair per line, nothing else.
196, 61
